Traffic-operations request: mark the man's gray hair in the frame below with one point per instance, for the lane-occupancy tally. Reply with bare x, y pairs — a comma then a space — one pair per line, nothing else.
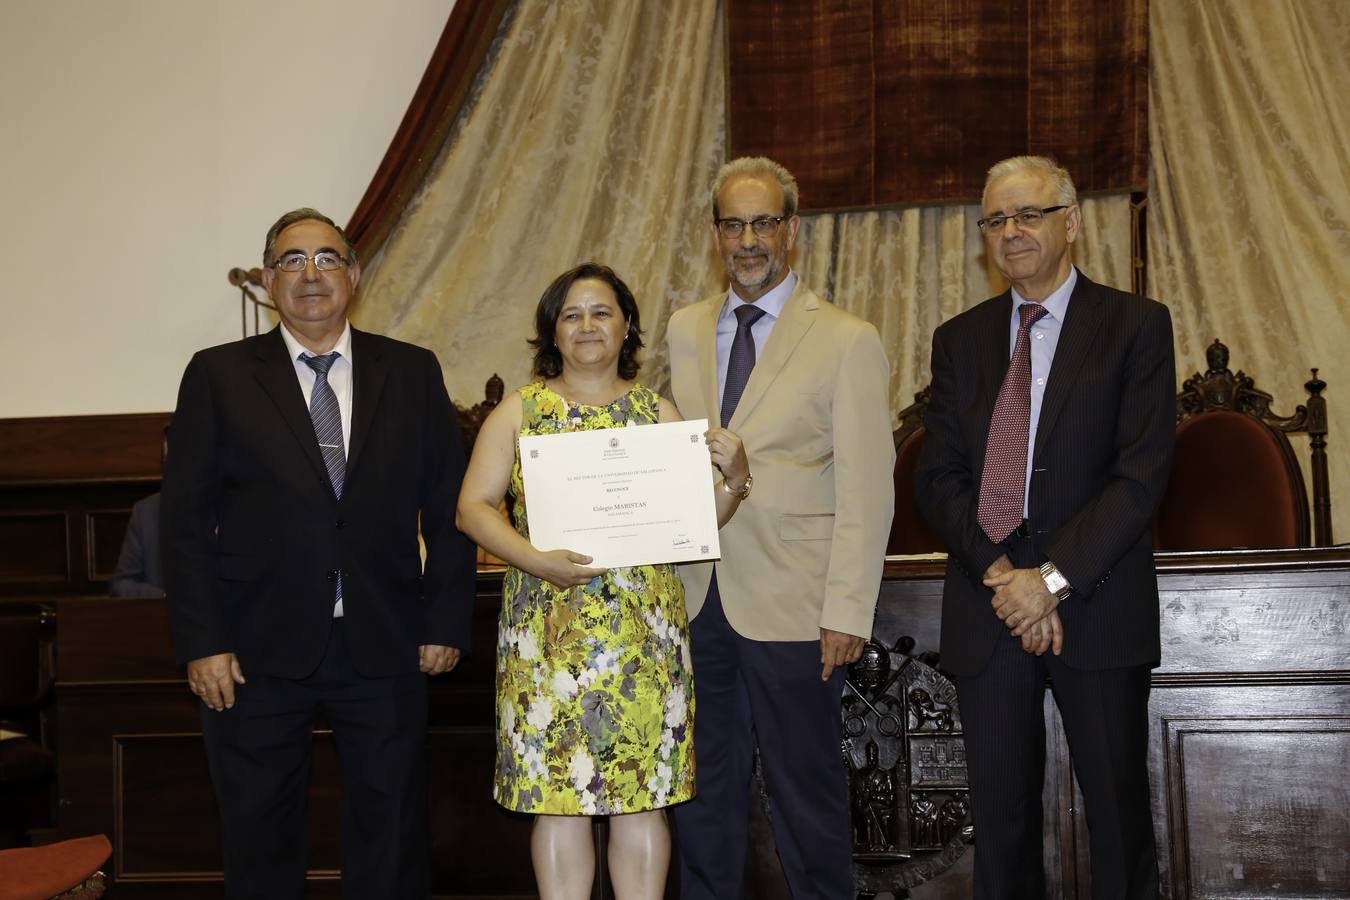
1065, 193
302, 214
757, 165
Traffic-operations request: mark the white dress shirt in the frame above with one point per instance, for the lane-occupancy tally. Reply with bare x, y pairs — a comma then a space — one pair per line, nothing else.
339, 379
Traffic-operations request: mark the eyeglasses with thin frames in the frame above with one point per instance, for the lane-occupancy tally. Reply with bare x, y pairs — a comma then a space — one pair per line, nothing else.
324, 261
762, 226
1027, 218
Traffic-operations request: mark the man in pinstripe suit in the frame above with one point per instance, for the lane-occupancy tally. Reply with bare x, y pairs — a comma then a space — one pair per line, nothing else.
1049, 440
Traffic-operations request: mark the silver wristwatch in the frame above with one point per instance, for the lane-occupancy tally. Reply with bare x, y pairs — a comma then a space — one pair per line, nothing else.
1055, 583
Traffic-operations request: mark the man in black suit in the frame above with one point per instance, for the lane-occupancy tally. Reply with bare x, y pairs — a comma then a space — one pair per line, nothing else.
1049, 440
302, 462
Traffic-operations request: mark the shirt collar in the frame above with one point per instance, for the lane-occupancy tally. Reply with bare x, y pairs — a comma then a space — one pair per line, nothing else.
343, 347
772, 302
1057, 304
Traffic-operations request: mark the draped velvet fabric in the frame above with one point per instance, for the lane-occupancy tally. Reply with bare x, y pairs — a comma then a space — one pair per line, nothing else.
910, 101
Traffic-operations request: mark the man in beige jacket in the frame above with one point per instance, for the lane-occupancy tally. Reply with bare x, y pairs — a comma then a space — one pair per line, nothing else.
789, 605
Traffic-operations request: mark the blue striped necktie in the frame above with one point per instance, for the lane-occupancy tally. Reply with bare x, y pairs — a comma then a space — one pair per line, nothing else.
741, 360
327, 418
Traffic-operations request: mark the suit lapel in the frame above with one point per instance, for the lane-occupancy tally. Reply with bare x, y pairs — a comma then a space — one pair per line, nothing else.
993, 357
797, 319
1081, 322
706, 338
276, 374
369, 368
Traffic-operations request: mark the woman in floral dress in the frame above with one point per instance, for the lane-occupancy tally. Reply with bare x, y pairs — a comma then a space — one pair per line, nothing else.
594, 687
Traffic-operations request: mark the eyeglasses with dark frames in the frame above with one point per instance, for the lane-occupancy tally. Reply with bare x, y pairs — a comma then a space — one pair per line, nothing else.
762, 226
1026, 218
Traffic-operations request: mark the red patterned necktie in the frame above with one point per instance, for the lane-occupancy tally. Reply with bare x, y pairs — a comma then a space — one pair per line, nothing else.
1004, 482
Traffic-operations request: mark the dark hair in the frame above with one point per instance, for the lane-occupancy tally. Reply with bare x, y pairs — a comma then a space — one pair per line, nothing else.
548, 362
302, 215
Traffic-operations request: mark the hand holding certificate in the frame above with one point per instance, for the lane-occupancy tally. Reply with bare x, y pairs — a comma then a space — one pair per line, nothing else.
624, 496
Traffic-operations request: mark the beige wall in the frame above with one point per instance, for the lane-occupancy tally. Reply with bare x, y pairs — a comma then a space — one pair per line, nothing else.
147, 146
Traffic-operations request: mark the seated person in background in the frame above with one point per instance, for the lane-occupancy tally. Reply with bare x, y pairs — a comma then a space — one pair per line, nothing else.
138, 571
595, 695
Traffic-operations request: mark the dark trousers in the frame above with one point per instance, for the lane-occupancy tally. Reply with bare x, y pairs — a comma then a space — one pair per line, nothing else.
1105, 715
768, 691
259, 754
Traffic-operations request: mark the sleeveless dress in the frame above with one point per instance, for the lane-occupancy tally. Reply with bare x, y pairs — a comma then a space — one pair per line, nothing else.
595, 693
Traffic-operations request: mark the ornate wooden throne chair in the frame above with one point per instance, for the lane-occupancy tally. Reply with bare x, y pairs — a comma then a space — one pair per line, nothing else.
1236, 481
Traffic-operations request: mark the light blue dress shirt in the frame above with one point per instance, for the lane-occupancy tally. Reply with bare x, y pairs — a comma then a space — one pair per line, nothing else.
1044, 339
772, 303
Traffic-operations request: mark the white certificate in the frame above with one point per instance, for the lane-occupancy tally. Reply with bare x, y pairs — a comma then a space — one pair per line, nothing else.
625, 496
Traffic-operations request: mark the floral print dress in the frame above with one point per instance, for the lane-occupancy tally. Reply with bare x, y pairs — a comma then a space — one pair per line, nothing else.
595, 693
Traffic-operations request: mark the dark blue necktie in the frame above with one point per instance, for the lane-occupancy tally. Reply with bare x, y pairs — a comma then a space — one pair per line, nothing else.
741, 361
327, 418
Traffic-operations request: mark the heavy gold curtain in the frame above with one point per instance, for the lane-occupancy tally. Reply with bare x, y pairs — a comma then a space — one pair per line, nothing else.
595, 134
597, 126
1249, 203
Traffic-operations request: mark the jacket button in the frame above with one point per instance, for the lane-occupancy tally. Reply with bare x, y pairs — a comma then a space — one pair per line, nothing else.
340, 523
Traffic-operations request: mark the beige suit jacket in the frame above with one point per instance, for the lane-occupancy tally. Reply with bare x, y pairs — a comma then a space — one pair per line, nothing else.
805, 550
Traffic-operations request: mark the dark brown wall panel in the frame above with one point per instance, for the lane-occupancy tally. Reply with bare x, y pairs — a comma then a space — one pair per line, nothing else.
1265, 803
89, 470
105, 529
166, 825
476, 845
83, 448
33, 548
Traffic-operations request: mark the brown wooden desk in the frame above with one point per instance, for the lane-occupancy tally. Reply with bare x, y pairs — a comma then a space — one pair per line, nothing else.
1250, 745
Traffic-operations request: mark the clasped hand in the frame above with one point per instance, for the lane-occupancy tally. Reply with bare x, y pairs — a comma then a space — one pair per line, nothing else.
1023, 604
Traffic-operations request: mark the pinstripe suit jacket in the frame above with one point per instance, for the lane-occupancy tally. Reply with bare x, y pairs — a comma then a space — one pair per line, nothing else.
1099, 467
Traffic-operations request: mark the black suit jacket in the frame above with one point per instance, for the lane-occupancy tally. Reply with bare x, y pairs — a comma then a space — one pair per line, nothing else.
1099, 467
254, 537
